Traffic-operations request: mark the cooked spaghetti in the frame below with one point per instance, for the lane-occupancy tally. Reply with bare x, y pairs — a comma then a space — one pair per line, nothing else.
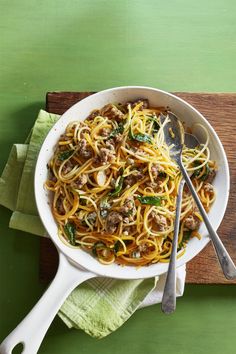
114, 185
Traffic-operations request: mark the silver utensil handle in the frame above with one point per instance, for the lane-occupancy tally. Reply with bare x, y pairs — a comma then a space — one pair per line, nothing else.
169, 296
224, 258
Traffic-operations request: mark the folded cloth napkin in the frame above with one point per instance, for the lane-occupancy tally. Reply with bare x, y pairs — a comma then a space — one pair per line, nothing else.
98, 306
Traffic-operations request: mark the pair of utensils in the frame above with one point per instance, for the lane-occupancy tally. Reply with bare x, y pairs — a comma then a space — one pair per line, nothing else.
175, 138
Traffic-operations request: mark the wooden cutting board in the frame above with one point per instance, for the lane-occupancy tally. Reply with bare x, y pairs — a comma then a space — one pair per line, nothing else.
220, 110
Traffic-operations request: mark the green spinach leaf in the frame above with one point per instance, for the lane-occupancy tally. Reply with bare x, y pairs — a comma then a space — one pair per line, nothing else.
143, 138
118, 189
98, 245
117, 246
198, 172
186, 237
150, 200
65, 155
156, 126
116, 131
206, 173
69, 229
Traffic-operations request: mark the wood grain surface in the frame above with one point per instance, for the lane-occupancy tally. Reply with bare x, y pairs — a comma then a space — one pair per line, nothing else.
220, 111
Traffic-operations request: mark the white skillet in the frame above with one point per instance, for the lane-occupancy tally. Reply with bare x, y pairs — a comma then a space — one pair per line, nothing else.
75, 265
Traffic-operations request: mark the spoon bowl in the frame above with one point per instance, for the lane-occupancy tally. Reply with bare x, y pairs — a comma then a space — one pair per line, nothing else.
191, 141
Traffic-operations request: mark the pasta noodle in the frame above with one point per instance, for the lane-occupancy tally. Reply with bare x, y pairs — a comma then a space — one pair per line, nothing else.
114, 185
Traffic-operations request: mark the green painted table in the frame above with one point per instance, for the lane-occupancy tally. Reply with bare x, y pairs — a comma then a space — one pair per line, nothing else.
180, 45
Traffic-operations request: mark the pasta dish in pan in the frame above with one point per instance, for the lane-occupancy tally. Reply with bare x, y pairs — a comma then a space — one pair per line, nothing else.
114, 185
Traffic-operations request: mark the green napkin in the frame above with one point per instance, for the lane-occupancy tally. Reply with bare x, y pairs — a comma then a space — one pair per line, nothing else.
98, 306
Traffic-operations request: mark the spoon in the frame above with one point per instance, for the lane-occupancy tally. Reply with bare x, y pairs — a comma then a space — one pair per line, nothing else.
174, 137
169, 296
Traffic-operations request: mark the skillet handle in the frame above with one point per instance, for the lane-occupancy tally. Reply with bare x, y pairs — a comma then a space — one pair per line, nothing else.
32, 329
